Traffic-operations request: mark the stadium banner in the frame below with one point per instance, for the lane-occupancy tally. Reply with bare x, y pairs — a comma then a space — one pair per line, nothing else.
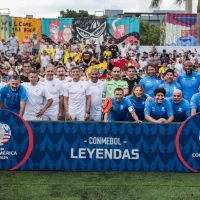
4, 27
98, 146
181, 29
26, 26
57, 30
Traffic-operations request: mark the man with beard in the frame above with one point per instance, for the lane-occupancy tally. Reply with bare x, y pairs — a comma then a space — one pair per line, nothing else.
169, 84
116, 82
36, 94
181, 106
190, 81
14, 96
159, 110
97, 89
114, 49
61, 74
133, 79
54, 87
77, 98
150, 82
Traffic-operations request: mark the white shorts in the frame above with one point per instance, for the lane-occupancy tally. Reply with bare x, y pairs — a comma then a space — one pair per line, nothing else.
95, 117
13, 50
28, 117
78, 117
50, 116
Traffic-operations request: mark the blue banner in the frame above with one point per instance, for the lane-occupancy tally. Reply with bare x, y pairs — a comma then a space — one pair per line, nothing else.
94, 146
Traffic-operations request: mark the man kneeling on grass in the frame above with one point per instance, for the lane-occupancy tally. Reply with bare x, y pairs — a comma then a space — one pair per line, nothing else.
118, 107
159, 110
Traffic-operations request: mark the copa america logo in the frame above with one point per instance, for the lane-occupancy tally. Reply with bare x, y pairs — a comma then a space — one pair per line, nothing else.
5, 133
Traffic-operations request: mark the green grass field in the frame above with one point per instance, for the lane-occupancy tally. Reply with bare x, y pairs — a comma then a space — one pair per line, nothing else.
98, 186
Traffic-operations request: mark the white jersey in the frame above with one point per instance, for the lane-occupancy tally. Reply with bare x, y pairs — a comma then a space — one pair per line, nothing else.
13, 41
45, 60
55, 89
77, 92
67, 79
97, 90
36, 94
123, 51
2, 84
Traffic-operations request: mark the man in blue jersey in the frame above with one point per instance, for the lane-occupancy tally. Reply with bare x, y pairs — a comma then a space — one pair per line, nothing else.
14, 96
150, 82
120, 107
181, 106
169, 85
195, 104
190, 81
159, 110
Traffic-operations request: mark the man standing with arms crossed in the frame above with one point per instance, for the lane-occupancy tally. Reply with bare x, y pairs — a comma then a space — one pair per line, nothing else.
77, 98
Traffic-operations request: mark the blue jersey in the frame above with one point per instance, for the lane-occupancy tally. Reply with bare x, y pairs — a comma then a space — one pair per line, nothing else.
170, 88
181, 110
12, 99
119, 110
195, 102
150, 84
138, 105
157, 111
190, 84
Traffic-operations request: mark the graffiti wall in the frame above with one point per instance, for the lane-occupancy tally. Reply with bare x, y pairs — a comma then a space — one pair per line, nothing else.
64, 30
25, 26
4, 27
181, 30
57, 30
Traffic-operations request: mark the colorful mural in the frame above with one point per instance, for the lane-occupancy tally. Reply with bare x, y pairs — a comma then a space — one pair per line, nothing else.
4, 27
181, 30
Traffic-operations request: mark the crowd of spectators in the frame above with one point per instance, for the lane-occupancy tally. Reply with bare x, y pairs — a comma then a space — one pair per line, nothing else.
51, 83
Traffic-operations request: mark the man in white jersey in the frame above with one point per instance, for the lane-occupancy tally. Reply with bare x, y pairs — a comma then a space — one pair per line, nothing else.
14, 43
36, 93
61, 74
77, 98
1, 83
97, 89
54, 87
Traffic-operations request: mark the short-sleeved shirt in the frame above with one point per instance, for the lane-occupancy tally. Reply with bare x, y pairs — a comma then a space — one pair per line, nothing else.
181, 110
157, 111
13, 41
112, 85
195, 102
139, 105
150, 84
190, 84
36, 95
119, 111
170, 88
77, 93
12, 99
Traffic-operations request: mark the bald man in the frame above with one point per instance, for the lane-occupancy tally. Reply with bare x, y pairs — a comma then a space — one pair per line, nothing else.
181, 106
190, 81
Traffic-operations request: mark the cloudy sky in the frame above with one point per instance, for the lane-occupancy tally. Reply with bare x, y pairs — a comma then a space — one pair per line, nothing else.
52, 8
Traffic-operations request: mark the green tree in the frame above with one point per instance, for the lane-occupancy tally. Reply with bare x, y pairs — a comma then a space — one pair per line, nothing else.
74, 14
149, 34
157, 3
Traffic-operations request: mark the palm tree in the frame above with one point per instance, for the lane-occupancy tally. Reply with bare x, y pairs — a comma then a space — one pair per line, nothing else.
188, 4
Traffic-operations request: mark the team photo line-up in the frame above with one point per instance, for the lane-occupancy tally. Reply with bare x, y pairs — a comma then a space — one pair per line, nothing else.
78, 82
